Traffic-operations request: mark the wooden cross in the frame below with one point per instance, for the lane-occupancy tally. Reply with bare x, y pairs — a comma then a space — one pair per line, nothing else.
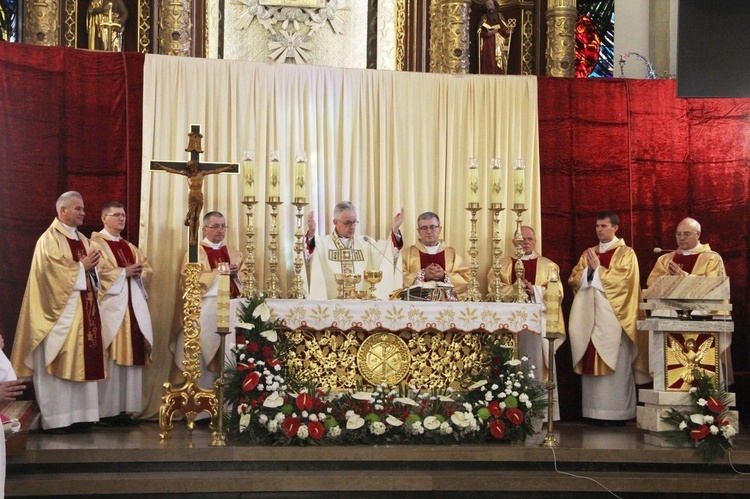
194, 170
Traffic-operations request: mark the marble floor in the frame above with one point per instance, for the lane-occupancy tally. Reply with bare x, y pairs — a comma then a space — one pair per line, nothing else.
123, 461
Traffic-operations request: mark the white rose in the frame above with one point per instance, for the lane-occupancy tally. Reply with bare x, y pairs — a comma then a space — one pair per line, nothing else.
445, 428
417, 428
377, 428
488, 396
728, 431
701, 402
334, 432
303, 432
708, 419
273, 425
263, 419
523, 398
713, 429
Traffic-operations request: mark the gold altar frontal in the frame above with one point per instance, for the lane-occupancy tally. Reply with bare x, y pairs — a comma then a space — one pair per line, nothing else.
344, 344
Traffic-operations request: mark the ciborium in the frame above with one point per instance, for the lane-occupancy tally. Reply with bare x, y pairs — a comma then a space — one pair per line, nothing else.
341, 281
372, 277
350, 288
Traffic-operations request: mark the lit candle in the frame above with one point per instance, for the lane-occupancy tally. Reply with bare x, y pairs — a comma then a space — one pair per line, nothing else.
222, 307
497, 181
274, 182
248, 176
473, 165
299, 177
518, 188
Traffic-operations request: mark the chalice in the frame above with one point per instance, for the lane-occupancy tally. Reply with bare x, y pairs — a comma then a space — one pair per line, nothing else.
372, 277
350, 287
341, 281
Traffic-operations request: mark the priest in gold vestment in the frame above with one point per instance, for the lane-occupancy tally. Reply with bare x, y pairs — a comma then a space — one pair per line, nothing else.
59, 337
430, 259
126, 323
537, 269
212, 251
694, 258
608, 350
343, 252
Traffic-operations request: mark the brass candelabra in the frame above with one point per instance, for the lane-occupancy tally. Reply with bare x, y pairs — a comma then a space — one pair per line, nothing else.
250, 286
298, 290
520, 295
472, 291
495, 292
218, 438
552, 301
273, 283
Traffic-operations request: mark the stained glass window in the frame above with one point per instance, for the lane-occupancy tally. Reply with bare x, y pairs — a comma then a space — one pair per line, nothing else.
595, 39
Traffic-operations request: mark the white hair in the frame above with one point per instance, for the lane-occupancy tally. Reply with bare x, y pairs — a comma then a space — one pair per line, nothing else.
64, 200
692, 223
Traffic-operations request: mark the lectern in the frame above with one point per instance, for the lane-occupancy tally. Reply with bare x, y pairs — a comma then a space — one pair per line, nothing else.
689, 328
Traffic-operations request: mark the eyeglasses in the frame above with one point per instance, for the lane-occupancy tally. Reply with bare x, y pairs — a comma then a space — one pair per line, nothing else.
684, 234
216, 227
429, 228
352, 223
118, 215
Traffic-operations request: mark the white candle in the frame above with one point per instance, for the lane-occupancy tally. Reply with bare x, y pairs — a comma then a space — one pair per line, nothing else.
497, 181
518, 184
473, 165
274, 182
299, 177
222, 306
248, 176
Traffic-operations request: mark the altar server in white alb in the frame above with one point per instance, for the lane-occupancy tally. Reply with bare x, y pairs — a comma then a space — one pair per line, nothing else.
58, 337
212, 252
343, 252
126, 323
608, 350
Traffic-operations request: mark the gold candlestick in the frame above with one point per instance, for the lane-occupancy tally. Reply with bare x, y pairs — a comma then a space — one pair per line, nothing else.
520, 295
495, 293
218, 438
249, 287
273, 283
552, 301
298, 290
472, 291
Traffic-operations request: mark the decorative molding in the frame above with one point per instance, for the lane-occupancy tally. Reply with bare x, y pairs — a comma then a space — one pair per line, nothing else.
40, 23
400, 35
175, 27
527, 42
70, 30
449, 36
561, 18
144, 26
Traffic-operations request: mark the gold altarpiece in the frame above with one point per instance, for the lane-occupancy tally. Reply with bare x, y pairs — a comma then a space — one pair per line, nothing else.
411, 35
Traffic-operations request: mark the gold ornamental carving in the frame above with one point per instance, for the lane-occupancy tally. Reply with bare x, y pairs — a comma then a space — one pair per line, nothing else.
432, 359
70, 28
400, 34
686, 352
527, 42
175, 27
383, 358
40, 22
561, 18
144, 26
449, 36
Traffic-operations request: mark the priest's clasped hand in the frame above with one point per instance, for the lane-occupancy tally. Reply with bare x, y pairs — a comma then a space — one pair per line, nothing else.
91, 260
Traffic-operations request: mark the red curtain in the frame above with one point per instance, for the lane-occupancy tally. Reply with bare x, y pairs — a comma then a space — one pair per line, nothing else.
633, 147
69, 120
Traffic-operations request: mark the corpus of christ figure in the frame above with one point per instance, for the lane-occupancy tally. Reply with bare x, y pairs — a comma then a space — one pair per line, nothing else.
194, 170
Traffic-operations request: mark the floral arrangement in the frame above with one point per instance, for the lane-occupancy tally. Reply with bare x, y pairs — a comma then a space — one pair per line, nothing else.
270, 405
706, 425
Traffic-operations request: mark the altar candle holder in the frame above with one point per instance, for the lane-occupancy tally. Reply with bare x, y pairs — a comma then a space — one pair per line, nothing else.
552, 301
218, 437
250, 286
472, 291
298, 291
520, 294
273, 283
495, 292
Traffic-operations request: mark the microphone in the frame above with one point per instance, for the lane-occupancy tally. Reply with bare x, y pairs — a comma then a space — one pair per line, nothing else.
372, 242
658, 250
722, 271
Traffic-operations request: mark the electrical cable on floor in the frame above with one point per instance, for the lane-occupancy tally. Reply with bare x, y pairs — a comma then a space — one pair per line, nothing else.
554, 458
729, 455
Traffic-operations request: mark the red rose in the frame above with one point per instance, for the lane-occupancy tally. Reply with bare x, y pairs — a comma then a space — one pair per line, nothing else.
253, 347
316, 430
290, 426
251, 381
497, 428
515, 416
714, 405
304, 402
699, 433
267, 352
495, 409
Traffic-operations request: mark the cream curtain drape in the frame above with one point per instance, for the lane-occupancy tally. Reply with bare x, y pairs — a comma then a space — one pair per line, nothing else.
381, 139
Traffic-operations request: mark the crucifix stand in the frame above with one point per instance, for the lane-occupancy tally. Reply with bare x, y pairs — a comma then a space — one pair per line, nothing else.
190, 399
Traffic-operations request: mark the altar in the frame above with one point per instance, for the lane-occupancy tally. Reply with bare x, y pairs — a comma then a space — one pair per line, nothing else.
343, 344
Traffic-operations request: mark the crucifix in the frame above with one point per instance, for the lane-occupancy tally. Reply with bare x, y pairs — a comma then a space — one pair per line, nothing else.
194, 170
